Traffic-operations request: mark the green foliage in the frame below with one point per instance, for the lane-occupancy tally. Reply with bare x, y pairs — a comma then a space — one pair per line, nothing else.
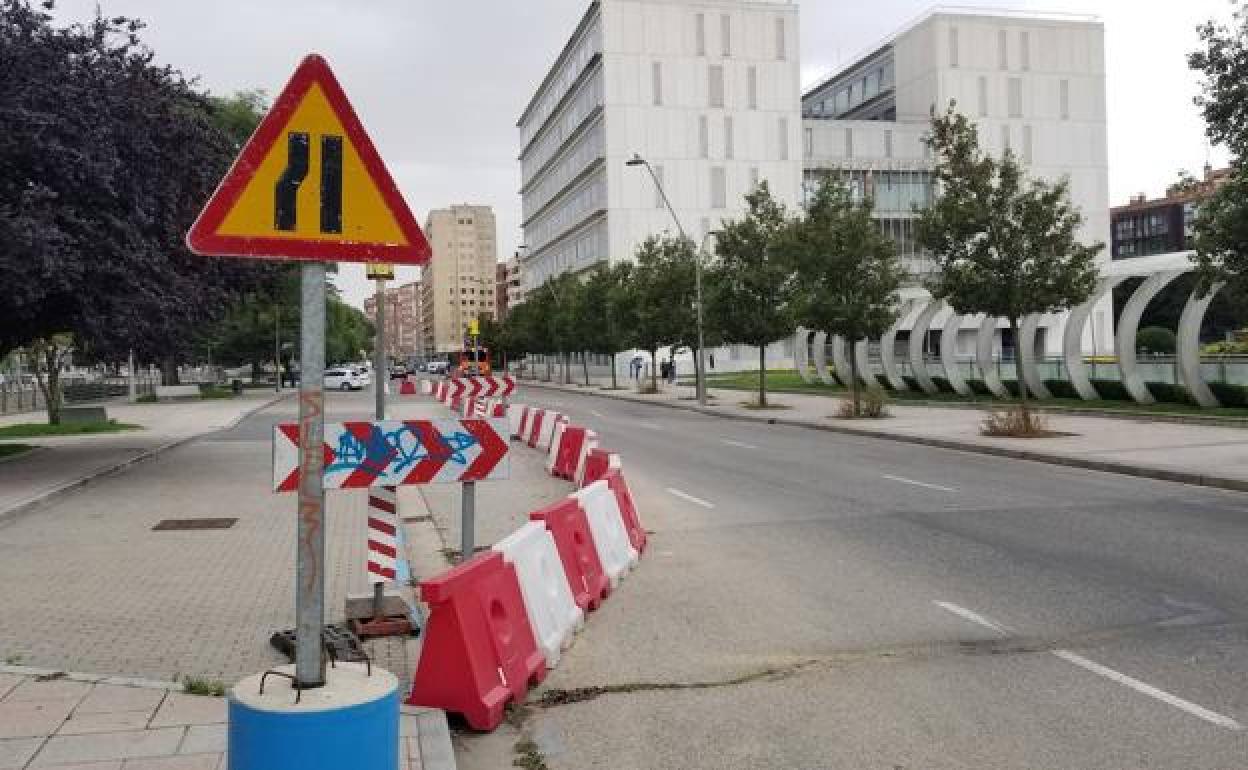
749, 289
1061, 389
1112, 390
1005, 245
1169, 394
1230, 395
348, 332
1155, 339
36, 429
847, 269
198, 685
238, 115
663, 295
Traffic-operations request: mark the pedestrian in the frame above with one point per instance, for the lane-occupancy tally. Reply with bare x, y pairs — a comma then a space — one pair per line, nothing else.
712, 356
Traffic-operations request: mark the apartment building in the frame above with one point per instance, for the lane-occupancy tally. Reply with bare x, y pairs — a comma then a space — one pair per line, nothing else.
508, 291
1033, 83
458, 284
403, 319
708, 92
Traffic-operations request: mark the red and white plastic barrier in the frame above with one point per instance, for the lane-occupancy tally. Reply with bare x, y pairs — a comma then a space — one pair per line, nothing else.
498, 621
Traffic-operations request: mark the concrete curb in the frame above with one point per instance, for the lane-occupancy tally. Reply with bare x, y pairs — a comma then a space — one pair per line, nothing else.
15, 512
77, 676
1106, 466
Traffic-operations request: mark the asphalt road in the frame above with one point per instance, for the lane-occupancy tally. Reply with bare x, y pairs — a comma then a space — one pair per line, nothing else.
826, 601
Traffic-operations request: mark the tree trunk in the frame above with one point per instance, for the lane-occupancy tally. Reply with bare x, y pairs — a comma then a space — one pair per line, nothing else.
654, 369
49, 381
550, 377
762, 375
614, 384
585, 366
1018, 375
853, 379
169, 371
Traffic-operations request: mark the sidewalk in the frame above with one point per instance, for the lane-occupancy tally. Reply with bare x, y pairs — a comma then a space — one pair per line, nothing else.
64, 462
1193, 454
58, 722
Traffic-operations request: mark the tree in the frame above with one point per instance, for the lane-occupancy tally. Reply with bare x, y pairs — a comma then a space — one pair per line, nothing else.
105, 160
599, 316
663, 295
749, 290
1222, 222
621, 312
848, 273
1005, 245
1155, 339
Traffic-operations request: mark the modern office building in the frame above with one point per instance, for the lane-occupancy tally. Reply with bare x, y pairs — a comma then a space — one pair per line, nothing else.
403, 319
458, 283
1033, 83
1144, 227
707, 91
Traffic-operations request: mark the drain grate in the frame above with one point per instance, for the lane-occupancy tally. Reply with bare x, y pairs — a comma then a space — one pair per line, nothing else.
185, 524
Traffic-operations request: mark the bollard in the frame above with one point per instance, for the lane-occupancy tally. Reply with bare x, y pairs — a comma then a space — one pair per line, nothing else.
352, 721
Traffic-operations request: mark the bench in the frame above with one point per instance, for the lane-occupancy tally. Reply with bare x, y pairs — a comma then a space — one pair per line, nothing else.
177, 391
81, 414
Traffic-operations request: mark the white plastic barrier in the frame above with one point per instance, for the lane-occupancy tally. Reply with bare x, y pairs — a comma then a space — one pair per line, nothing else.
516, 414
555, 440
548, 429
588, 445
552, 611
606, 525
426, 387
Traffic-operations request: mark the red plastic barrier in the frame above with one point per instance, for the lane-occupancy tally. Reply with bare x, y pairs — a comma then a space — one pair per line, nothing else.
628, 509
479, 651
570, 528
596, 466
536, 418
524, 422
407, 388
499, 409
569, 453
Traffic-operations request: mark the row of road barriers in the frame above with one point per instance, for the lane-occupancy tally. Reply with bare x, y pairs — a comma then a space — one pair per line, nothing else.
499, 620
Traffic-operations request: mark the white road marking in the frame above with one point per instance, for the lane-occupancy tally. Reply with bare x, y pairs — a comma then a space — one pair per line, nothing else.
972, 616
923, 484
740, 444
597, 413
1143, 688
1147, 689
691, 498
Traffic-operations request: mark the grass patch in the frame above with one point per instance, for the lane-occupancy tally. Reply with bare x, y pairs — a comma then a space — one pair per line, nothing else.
753, 404
528, 756
211, 392
13, 450
197, 685
788, 381
37, 429
147, 398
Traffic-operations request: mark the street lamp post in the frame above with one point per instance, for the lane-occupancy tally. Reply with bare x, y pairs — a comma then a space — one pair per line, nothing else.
699, 366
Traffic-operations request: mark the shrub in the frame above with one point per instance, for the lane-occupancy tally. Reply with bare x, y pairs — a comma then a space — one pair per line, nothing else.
1015, 422
943, 385
1169, 394
1112, 390
875, 403
913, 384
978, 387
884, 383
1228, 394
1155, 339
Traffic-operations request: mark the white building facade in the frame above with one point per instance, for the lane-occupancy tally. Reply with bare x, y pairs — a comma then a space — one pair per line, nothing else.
1032, 83
707, 92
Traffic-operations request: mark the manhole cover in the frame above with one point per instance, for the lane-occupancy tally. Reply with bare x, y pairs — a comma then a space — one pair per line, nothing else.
178, 524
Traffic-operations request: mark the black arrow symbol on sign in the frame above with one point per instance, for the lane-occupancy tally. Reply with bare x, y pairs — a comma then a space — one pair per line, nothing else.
285, 194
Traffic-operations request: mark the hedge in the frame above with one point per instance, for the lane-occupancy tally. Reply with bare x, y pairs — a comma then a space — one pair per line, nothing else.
1169, 394
1230, 395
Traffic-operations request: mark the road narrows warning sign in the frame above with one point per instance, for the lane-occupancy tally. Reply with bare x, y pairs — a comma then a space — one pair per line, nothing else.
310, 185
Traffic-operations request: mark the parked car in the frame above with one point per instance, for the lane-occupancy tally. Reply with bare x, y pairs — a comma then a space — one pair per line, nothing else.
398, 371
437, 367
365, 376
343, 378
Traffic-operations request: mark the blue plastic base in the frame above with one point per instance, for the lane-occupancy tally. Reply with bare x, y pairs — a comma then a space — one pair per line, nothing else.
268, 733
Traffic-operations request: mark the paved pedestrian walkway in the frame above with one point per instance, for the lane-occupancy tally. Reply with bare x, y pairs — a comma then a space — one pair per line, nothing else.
63, 462
1200, 454
55, 721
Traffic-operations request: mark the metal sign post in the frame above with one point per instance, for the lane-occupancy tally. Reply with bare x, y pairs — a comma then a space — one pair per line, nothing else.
310, 564
381, 370
467, 520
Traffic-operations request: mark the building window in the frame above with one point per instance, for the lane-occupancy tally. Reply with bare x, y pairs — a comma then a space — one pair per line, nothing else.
704, 138
729, 149
783, 125
1024, 50
1003, 53
849, 143
656, 81
888, 144
809, 139
953, 46
715, 85
719, 188
781, 47
1016, 97
1027, 144
699, 22
983, 96
658, 188
752, 77
1064, 99
871, 85
725, 35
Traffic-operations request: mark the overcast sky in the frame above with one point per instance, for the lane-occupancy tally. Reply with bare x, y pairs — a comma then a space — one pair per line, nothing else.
439, 85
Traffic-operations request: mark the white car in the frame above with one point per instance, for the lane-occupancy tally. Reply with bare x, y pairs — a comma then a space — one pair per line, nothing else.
437, 367
366, 377
342, 379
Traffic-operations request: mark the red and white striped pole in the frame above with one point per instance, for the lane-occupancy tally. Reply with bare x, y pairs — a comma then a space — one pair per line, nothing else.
383, 541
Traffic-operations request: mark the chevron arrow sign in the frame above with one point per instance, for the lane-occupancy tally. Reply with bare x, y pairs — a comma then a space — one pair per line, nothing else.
398, 453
